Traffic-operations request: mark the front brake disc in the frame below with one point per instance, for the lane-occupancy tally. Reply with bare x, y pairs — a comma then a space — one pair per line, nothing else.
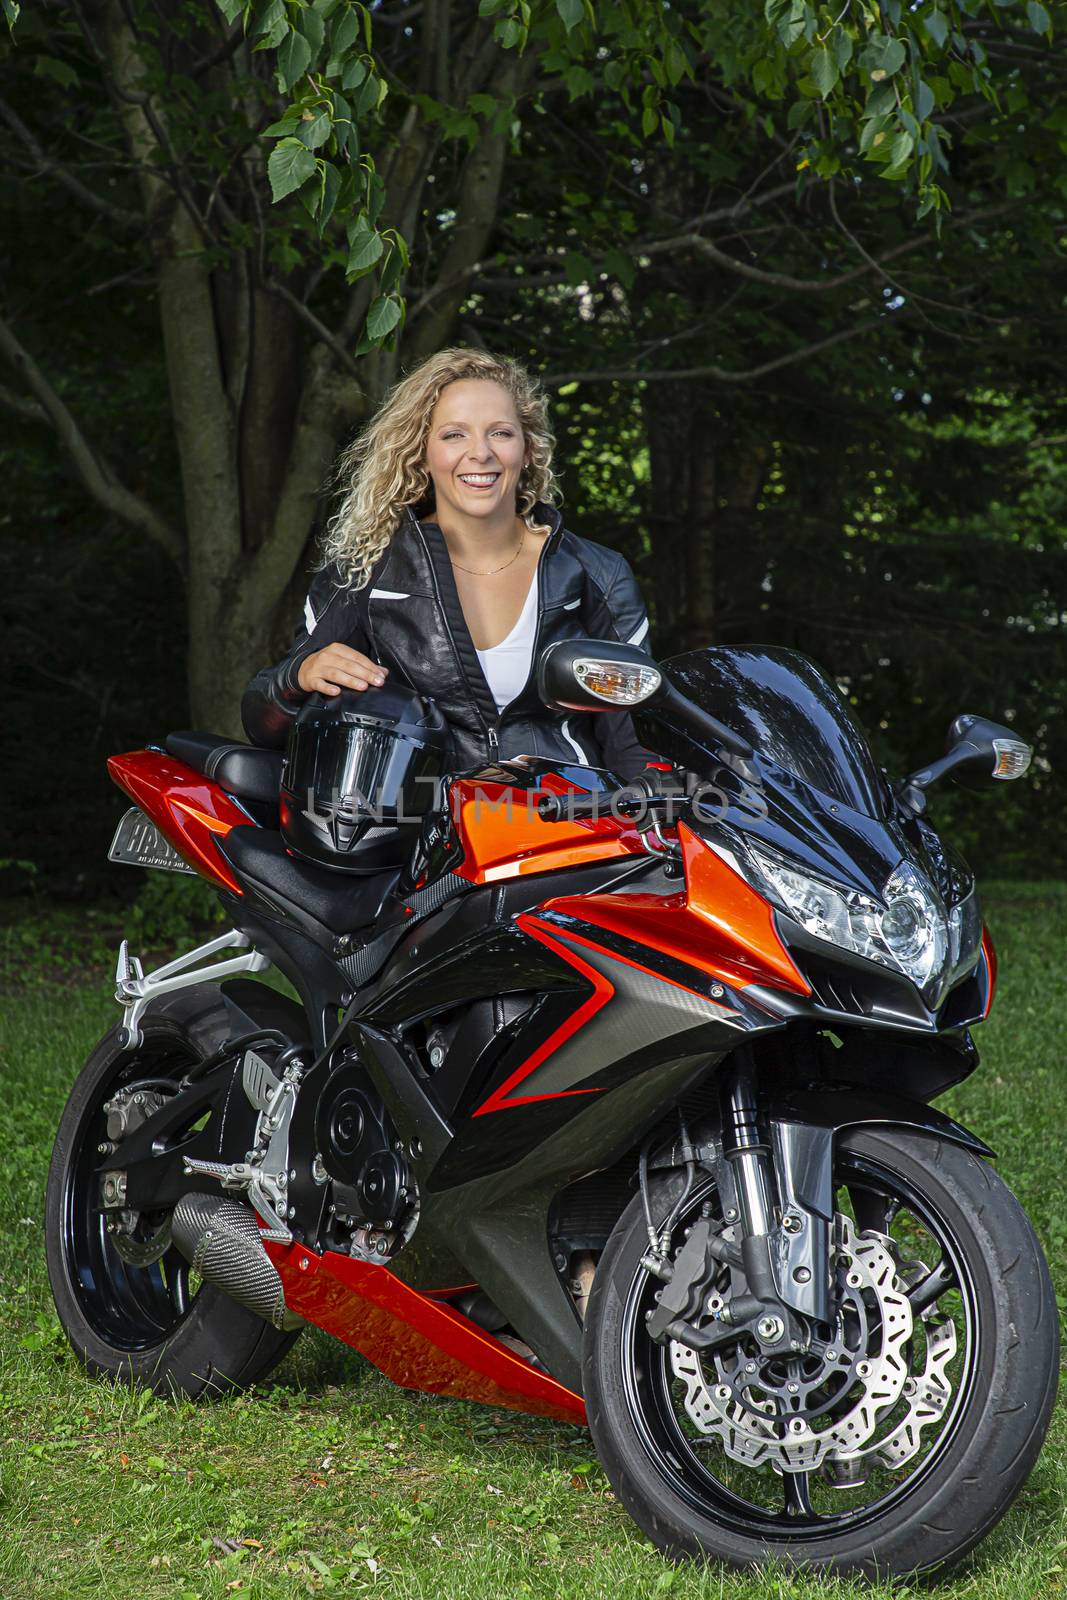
795, 1412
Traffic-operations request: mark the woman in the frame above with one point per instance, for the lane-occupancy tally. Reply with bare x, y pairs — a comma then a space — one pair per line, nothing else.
448, 568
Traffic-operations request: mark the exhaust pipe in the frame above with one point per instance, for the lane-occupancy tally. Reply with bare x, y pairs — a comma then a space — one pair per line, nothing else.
220, 1240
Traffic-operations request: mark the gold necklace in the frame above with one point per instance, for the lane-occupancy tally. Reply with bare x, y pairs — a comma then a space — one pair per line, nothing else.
476, 574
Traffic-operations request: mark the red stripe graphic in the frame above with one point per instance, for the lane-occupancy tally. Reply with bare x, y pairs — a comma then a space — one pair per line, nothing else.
602, 993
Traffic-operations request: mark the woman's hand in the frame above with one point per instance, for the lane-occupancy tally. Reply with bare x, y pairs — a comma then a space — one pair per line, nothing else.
339, 667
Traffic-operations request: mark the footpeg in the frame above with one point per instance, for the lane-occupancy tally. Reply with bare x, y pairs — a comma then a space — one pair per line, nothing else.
240, 1177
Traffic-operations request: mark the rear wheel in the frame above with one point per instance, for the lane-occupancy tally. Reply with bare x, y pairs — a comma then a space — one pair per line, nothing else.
895, 1448
130, 1303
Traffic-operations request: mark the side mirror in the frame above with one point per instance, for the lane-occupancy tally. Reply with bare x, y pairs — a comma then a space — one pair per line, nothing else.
984, 752
604, 675
595, 675
978, 752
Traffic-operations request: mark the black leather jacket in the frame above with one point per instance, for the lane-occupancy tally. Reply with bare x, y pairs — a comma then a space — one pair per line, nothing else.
408, 618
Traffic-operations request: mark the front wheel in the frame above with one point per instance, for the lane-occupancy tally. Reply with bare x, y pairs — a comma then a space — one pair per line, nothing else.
898, 1447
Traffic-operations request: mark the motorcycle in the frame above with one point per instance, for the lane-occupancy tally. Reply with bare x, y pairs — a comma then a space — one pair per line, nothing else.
612, 1104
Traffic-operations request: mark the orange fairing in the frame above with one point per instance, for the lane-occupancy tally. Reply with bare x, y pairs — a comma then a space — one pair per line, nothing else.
503, 836
188, 809
718, 923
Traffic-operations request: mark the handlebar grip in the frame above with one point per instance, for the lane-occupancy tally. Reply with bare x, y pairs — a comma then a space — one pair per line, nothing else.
573, 806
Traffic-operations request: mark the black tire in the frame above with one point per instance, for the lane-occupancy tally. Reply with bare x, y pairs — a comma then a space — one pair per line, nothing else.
986, 1443
147, 1325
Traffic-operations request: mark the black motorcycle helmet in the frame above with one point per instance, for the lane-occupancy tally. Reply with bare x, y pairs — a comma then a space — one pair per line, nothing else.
359, 773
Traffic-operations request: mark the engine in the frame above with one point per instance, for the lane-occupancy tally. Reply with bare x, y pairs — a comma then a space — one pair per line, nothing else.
372, 1197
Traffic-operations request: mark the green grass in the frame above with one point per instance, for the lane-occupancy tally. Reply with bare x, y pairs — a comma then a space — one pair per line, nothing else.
332, 1481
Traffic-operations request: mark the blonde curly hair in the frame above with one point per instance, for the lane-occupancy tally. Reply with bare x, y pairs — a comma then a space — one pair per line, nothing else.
383, 470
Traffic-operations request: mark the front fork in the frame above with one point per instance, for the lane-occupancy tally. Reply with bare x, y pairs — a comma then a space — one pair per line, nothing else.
776, 1190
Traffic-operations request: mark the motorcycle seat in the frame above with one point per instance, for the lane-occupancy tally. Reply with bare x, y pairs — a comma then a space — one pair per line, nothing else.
341, 901
246, 770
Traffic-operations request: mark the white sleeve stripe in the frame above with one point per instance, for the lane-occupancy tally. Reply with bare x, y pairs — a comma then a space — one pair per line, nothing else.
565, 729
635, 638
309, 615
388, 594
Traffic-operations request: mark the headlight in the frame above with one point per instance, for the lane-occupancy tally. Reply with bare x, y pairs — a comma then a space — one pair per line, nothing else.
907, 930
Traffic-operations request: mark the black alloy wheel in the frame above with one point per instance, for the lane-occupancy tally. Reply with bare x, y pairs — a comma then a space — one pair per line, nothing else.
695, 1445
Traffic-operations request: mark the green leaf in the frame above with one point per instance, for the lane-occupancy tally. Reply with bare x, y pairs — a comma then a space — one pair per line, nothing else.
355, 72
314, 131
579, 81
842, 48
375, 195
383, 316
1038, 17
271, 25
365, 246
345, 34
675, 62
313, 28
293, 60
60, 71
571, 12
288, 124
880, 100
621, 267
231, 9
883, 56
367, 98
649, 121
901, 148
825, 71
936, 25
274, 36
578, 268
871, 129
763, 76
924, 100
344, 127
391, 271
329, 188
291, 164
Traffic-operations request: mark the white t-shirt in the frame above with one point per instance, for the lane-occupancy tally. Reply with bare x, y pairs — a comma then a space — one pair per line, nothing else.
507, 664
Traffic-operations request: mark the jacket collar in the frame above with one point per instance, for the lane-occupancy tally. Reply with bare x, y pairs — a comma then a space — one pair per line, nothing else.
545, 513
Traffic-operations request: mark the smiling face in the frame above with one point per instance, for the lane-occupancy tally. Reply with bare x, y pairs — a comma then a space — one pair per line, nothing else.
476, 449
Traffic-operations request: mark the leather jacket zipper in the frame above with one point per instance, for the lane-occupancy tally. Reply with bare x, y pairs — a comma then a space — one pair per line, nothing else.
490, 726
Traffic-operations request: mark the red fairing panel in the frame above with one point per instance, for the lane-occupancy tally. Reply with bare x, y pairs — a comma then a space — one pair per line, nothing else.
417, 1342
188, 809
991, 968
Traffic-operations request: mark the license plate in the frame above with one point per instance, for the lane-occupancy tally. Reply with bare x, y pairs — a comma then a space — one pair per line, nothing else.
139, 843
